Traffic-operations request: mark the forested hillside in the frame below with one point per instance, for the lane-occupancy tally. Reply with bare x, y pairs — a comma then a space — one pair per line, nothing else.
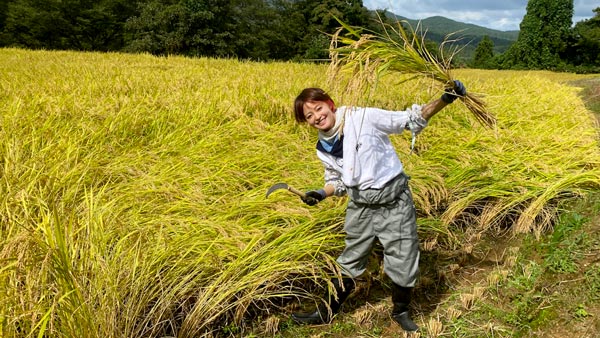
467, 36
297, 30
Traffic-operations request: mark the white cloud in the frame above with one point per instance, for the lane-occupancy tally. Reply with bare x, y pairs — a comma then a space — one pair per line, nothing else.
501, 15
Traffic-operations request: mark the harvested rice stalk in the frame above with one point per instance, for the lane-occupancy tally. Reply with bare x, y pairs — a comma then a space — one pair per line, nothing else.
368, 56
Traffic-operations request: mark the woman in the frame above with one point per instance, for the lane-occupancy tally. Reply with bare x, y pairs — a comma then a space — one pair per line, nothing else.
360, 161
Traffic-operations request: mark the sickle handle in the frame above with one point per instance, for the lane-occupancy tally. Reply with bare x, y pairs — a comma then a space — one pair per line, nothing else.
297, 192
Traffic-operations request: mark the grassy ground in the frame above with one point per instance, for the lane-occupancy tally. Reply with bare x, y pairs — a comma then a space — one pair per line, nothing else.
500, 286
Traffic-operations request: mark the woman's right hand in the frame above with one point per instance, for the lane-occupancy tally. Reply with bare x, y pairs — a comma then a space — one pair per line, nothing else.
313, 197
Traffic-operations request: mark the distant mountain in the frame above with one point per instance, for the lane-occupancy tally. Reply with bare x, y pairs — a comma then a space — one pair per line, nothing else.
468, 36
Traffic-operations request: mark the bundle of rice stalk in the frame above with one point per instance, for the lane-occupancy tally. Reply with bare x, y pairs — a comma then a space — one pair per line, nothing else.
368, 56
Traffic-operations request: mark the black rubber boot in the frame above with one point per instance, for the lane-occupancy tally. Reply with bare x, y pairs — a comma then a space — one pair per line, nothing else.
322, 315
401, 298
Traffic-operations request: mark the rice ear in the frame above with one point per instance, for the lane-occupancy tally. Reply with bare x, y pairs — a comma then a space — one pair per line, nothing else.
366, 57
478, 107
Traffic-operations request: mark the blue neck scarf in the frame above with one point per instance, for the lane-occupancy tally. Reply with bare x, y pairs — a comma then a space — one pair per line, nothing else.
336, 148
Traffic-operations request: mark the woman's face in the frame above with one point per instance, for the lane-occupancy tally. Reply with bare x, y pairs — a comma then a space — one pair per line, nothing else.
320, 114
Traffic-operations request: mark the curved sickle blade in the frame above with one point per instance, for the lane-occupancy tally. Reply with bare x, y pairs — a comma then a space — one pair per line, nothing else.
277, 187
286, 187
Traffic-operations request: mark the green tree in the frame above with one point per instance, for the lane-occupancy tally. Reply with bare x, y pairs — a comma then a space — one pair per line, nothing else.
35, 24
585, 49
265, 30
247, 29
287, 30
319, 16
159, 28
484, 54
66, 24
544, 31
192, 27
3, 10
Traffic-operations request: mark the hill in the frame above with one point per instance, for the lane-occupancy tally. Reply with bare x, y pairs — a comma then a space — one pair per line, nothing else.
467, 36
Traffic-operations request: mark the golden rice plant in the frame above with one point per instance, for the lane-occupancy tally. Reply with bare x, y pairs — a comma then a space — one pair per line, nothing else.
131, 210
362, 57
132, 191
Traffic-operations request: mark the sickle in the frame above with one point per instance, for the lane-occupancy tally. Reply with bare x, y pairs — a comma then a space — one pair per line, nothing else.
286, 187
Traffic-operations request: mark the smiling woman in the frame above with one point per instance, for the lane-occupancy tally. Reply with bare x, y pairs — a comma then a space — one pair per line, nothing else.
365, 166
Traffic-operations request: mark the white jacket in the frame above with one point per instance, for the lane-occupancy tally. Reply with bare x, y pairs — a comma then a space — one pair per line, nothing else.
370, 160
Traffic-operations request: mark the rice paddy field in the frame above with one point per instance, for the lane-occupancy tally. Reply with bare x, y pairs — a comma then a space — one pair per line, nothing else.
132, 187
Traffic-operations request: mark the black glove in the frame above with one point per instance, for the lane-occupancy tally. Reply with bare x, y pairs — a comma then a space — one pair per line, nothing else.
314, 196
452, 94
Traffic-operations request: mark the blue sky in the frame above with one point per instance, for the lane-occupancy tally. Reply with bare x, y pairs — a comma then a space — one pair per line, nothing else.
496, 14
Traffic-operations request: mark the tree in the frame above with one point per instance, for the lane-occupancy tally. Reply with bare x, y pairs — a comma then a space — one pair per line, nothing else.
189, 27
287, 28
159, 28
265, 30
543, 35
585, 49
3, 10
484, 54
248, 29
35, 24
66, 24
320, 19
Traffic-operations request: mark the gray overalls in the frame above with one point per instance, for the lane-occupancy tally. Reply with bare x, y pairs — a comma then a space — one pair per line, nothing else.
389, 215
